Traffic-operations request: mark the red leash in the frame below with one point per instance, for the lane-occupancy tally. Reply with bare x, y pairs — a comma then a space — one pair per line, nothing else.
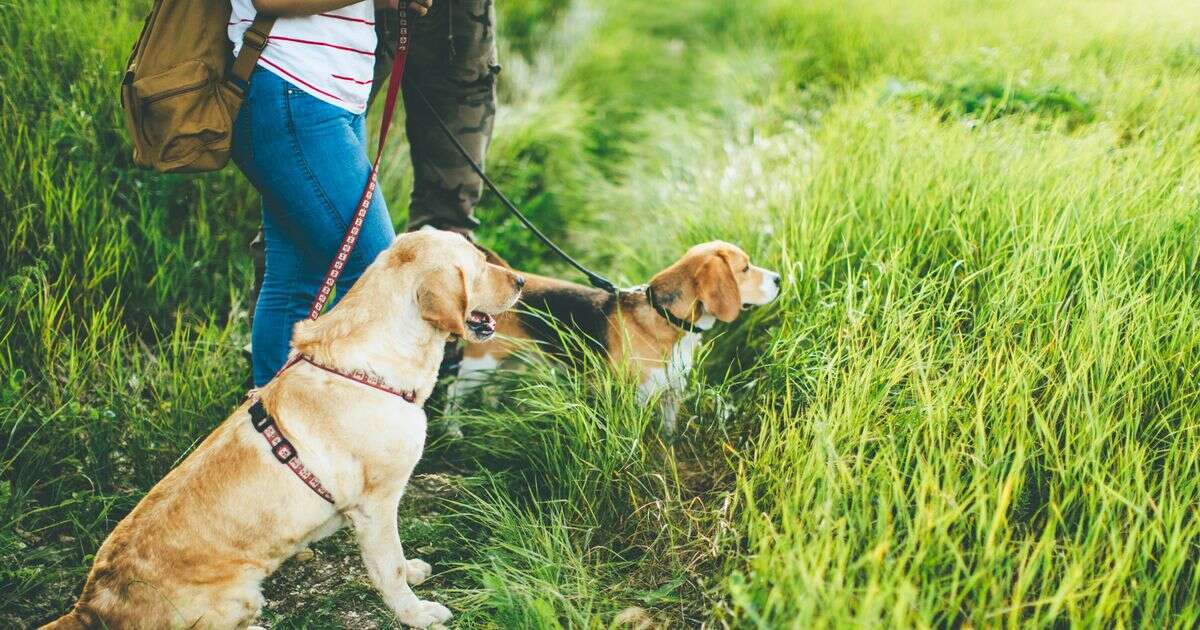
364, 203
281, 448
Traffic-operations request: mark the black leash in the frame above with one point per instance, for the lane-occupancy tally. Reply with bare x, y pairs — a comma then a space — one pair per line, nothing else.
597, 280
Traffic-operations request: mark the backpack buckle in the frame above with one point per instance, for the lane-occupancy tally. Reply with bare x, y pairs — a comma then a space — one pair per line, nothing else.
254, 39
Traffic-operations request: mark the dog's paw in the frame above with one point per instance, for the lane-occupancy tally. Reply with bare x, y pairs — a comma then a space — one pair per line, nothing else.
417, 571
423, 614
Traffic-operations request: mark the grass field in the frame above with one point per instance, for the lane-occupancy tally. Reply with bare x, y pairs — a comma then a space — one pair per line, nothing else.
975, 404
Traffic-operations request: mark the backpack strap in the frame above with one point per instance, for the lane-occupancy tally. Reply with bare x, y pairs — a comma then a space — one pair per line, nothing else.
254, 41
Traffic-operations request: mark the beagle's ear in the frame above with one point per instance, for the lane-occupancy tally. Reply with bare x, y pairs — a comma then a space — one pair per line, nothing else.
717, 289
442, 299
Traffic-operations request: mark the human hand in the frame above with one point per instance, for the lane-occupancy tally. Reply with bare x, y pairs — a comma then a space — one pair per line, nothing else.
420, 7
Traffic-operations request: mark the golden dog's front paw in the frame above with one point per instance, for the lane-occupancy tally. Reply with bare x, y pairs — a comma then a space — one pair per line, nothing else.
417, 571
423, 614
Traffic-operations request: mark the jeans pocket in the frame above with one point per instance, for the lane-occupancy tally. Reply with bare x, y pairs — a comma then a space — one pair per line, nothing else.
305, 111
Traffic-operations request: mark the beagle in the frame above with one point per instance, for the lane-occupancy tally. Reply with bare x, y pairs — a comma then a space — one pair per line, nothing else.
194, 552
654, 329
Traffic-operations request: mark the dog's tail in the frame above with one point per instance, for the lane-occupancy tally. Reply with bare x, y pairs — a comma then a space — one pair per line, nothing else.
70, 621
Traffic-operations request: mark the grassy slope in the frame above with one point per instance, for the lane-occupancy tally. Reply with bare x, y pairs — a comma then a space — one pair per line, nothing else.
974, 403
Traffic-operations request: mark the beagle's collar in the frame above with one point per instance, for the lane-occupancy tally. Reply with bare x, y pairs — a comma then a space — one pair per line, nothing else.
666, 313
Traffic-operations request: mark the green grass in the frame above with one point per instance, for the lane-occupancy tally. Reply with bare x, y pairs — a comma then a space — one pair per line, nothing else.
974, 404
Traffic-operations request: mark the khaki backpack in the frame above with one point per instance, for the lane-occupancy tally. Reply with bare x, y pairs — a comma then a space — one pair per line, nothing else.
182, 87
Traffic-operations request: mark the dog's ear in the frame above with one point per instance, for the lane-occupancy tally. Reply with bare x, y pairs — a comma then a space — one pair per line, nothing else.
717, 289
442, 298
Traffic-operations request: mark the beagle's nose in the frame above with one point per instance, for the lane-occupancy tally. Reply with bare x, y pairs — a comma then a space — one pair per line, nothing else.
778, 280
520, 280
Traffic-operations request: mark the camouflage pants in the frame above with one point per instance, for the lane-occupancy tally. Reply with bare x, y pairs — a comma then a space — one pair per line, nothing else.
452, 58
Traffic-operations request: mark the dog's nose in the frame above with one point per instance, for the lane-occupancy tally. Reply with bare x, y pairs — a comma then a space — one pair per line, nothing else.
778, 281
520, 280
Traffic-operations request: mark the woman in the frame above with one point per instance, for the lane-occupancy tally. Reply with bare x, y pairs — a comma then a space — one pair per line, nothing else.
300, 139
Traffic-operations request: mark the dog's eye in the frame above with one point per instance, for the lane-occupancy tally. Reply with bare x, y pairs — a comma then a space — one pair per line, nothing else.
747, 269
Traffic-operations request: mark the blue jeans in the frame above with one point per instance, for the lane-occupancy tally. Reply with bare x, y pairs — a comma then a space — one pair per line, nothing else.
308, 160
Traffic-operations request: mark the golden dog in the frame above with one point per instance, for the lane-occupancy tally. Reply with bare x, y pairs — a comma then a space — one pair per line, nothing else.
195, 550
654, 329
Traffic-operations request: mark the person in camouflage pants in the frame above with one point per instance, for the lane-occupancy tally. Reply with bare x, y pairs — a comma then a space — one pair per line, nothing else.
452, 59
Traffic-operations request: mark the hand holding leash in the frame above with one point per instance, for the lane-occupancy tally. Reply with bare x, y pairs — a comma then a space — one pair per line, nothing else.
419, 7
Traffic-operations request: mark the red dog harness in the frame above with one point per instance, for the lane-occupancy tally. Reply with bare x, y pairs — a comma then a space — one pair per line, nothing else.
358, 376
281, 448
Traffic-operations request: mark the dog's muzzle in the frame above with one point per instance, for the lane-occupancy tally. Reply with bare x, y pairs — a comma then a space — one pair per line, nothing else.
481, 325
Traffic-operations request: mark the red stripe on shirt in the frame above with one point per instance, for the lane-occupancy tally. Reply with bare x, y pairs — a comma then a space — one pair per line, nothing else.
338, 76
348, 19
326, 44
240, 21
298, 79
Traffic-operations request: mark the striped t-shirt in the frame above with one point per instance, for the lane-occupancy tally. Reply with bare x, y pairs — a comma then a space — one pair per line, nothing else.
329, 55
